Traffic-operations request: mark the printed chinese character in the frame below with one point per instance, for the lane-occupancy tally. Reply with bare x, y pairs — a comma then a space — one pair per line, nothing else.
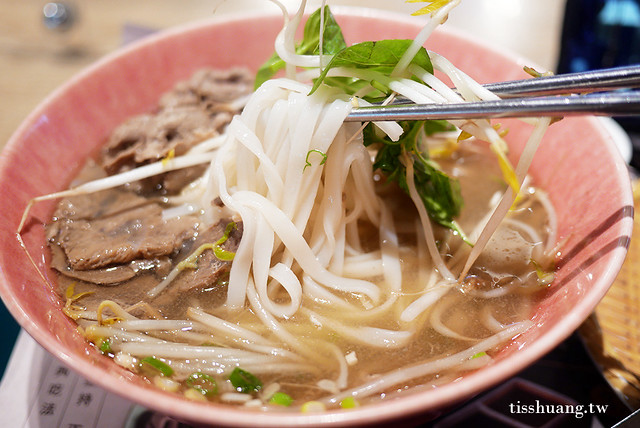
84, 398
62, 371
47, 408
55, 389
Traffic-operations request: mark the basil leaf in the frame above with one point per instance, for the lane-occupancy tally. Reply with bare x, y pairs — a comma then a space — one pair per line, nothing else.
351, 86
268, 70
440, 194
333, 42
381, 56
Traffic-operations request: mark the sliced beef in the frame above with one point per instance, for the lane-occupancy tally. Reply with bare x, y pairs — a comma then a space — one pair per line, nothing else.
111, 236
116, 227
211, 90
193, 111
149, 138
105, 276
96, 205
174, 181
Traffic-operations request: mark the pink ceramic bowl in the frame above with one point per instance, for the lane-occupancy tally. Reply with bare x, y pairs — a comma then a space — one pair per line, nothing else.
577, 164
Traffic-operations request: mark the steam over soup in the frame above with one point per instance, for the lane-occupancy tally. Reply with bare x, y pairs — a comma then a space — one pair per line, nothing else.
251, 247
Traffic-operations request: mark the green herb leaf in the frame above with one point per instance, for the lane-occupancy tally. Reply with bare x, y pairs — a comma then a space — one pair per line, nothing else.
439, 193
321, 153
203, 383
218, 251
105, 346
158, 365
269, 69
381, 56
332, 38
351, 86
332, 43
244, 382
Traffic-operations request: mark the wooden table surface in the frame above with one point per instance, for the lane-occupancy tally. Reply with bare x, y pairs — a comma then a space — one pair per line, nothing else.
34, 60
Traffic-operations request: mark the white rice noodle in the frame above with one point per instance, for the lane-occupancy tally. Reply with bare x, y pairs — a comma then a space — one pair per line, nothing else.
285, 45
253, 187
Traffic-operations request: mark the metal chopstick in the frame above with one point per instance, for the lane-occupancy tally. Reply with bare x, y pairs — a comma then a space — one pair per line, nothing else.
618, 103
588, 81
584, 82
594, 81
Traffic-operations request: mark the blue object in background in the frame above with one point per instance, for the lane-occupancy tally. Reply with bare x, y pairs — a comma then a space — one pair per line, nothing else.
602, 34
599, 34
9, 330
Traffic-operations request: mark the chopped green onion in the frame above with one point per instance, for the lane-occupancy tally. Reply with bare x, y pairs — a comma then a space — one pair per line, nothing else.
244, 382
322, 162
217, 247
349, 403
105, 346
203, 383
158, 365
479, 354
281, 399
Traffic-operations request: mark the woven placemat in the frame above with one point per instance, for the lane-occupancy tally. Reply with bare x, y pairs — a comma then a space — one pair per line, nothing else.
612, 332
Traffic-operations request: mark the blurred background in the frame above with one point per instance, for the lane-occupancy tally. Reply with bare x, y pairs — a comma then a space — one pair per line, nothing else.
37, 54
42, 44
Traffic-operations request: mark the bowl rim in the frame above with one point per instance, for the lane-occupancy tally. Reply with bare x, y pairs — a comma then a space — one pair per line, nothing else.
412, 404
